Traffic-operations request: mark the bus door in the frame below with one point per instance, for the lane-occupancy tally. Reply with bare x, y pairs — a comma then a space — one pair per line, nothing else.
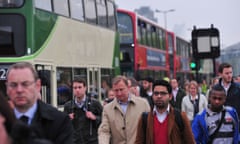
44, 72
94, 84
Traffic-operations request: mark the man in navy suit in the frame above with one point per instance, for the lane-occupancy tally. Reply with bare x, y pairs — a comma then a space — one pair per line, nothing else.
45, 122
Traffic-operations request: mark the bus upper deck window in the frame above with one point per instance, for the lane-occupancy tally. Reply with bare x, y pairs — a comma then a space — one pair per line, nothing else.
11, 3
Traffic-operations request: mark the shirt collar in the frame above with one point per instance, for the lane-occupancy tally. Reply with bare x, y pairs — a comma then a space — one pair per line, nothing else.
227, 86
126, 103
30, 113
81, 103
196, 97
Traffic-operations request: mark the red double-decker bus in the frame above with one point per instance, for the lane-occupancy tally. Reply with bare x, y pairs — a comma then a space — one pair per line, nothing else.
147, 48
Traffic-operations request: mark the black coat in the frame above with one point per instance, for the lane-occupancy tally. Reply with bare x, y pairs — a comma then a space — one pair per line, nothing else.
53, 124
85, 129
49, 126
178, 103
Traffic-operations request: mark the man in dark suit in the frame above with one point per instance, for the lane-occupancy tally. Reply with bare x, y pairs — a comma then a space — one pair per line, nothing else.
45, 122
177, 94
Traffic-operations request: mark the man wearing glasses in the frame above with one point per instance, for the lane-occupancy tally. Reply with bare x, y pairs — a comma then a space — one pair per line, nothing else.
160, 126
44, 121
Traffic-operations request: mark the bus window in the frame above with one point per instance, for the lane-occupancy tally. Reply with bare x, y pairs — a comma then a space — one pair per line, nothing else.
111, 15
143, 32
77, 9
90, 11
149, 35
106, 79
154, 36
43, 4
12, 35
102, 13
170, 44
11, 3
61, 7
125, 28
64, 91
161, 36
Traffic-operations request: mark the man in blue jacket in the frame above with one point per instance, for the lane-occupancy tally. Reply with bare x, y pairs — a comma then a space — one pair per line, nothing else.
217, 123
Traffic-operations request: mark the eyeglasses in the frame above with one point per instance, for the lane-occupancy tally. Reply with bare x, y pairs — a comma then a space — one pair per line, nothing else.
24, 84
161, 93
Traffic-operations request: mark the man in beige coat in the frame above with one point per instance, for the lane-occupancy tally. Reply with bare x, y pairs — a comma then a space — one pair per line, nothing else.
120, 117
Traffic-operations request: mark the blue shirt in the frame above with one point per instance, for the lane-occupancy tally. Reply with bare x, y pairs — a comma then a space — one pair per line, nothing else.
30, 113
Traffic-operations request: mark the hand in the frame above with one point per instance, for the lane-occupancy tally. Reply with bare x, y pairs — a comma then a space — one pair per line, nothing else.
3, 133
90, 115
71, 116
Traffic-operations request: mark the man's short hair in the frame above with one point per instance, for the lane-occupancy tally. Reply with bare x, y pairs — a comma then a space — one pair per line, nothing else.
222, 66
217, 88
149, 79
133, 82
163, 83
22, 65
119, 78
80, 80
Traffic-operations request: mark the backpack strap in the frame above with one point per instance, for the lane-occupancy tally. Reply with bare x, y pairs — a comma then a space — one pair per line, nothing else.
178, 119
211, 137
144, 125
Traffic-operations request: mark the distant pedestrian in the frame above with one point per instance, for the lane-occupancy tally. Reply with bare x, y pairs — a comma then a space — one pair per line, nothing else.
177, 94
146, 89
194, 102
217, 124
214, 81
110, 97
119, 121
44, 121
133, 86
85, 113
164, 124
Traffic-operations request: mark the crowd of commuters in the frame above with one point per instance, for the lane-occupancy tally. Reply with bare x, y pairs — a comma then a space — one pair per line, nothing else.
142, 112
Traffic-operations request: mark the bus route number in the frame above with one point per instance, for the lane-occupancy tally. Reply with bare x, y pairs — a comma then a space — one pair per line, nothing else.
3, 73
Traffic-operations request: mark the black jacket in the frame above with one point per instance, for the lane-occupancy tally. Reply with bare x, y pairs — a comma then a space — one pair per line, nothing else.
178, 103
85, 129
49, 126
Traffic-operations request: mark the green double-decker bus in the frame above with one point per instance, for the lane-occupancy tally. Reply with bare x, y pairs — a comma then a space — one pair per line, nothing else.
63, 39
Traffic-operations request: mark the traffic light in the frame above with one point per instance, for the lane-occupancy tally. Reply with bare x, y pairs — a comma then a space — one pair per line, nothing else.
194, 65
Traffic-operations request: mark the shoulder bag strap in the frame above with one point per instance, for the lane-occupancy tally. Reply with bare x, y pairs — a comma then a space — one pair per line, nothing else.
211, 137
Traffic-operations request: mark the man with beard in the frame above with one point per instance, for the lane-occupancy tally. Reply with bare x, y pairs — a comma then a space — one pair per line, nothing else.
161, 126
146, 90
217, 123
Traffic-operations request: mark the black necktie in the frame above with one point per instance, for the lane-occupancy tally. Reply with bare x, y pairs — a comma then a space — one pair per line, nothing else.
24, 119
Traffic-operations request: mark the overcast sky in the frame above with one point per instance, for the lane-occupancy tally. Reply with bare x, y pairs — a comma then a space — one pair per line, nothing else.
224, 14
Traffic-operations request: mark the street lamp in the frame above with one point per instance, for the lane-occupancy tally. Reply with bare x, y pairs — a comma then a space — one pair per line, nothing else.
165, 15
169, 49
